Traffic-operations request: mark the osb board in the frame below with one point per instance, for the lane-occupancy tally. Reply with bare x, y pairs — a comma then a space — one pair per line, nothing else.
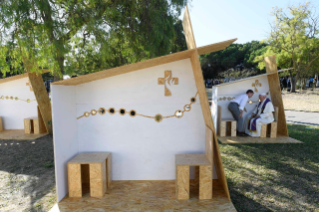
74, 180
209, 144
205, 182
215, 47
126, 69
199, 80
257, 140
19, 135
188, 30
43, 100
182, 182
192, 160
148, 196
16, 77
97, 179
275, 93
88, 157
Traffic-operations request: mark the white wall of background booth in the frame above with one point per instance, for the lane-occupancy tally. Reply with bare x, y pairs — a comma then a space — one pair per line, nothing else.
13, 112
234, 89
141, 148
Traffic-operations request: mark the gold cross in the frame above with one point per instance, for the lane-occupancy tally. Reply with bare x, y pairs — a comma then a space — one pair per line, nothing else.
29, 84
167, 80
256, 84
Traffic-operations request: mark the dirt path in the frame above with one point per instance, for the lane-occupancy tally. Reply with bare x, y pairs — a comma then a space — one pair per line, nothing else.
27, 181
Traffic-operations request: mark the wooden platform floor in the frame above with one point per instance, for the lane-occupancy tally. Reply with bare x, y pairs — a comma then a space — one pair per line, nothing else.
18, 135
147, 196
257, 140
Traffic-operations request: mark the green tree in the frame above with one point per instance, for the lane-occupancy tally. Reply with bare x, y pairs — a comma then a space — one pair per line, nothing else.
294, 40
235, 54
87, 35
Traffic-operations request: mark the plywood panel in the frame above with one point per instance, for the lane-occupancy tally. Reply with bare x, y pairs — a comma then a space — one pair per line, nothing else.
233, 128
182, 182
222, 128
42, 128
27, 127
191, 159
215, 47
96, 180
257, 140
263, 131
74, 180
90, 157
1, 125
273, 131
19, 135
208, 120
36, 126
148, 196
205, 182
209, 145
196, 176
109, 171
43, 99
275, 93
188, 30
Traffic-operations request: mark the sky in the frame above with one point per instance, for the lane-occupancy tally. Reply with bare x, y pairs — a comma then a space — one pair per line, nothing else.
214, 21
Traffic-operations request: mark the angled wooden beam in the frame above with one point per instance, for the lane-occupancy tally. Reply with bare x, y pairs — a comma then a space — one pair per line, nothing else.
275, 93
215, 47
188, 30
43, 100
199, 80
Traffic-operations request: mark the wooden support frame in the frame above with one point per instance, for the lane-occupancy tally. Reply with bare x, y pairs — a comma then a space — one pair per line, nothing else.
275, 93
42, 98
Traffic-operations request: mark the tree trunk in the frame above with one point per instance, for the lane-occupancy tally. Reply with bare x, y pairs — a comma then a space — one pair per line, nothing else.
59, 75
292, 82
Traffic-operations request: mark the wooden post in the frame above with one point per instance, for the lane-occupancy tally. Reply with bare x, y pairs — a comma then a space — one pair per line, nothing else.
27, 127
263, 131
1, 125
222, 128
43, 100
273, 131
182, 181
233, 128
74, 179
97, 189
205, 182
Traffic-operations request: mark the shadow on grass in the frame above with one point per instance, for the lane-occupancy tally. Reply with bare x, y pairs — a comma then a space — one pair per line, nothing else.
28, 174
279, 177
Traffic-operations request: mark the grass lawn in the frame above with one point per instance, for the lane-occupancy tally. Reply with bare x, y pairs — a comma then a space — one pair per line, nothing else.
275, 177
265, 177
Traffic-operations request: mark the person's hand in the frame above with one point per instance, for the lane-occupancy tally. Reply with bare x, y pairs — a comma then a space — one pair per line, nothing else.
241, 114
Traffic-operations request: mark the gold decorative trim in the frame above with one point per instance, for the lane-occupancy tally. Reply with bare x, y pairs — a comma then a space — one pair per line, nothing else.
178, 111
158, 117
16, 98
102, 111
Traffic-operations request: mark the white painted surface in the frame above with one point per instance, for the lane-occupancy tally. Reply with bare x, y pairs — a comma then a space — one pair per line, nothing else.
141, 148
14, 112
65, 134
235, 89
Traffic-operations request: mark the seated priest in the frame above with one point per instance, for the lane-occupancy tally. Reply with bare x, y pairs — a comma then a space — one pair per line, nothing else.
263, 114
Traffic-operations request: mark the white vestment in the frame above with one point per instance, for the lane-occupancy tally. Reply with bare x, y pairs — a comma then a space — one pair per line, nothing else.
266, 117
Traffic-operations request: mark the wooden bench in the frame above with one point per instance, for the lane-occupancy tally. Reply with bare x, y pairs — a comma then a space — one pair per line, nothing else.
226, 126
183, 162
272, 127
92, 170
1, 125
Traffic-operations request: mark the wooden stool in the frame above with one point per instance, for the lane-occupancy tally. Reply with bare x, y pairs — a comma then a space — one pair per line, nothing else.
31, 125
272, 127
228, 126
93, 169
1, 125
205, 178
